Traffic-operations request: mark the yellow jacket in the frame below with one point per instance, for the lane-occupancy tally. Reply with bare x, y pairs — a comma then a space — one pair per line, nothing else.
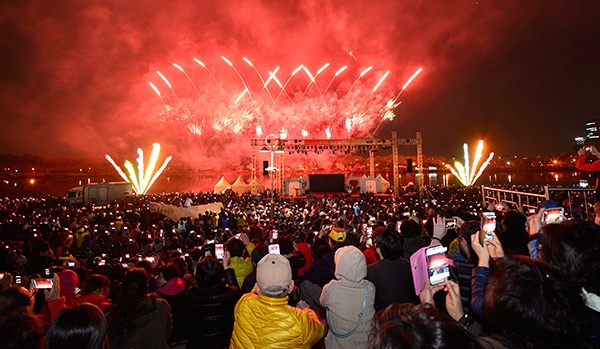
265, 322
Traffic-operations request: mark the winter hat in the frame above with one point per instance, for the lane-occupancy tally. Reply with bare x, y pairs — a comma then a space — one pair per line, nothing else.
273, 275
337, 234
68, 282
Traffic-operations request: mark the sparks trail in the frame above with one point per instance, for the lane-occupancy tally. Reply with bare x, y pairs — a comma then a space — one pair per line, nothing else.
301, 112
212, 76
145, 177
188, 77
260, 77
284, 85
238, 74
398, 96
466, 173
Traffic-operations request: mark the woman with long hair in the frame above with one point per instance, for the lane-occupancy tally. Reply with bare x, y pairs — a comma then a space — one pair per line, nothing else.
138, 319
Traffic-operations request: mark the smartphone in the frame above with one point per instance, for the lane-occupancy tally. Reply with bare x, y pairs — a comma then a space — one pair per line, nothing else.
588, 148
104, 255
18, 280
274, 235
126, 255
42, 283
70, 264
450, 223
140, 257
274, 248
125, 265
237, 236
2, 275
47, 272
327, 227
101, 263
488, 226
553, 215
369, 231
437, 264
150, 259
219, 251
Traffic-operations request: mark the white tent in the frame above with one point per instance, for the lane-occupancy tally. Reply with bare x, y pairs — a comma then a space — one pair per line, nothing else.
222, 186
239, 186
384, 184
255, 186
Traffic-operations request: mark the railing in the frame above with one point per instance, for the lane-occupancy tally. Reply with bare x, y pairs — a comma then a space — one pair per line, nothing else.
579, 199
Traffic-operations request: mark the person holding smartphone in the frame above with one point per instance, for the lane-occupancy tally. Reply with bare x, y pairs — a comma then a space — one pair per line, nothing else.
582, 163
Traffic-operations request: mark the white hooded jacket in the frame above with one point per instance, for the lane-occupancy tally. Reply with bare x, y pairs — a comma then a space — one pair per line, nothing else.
344, 298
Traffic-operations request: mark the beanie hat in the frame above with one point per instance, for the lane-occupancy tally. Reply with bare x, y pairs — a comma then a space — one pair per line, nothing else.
337, 234
273, 274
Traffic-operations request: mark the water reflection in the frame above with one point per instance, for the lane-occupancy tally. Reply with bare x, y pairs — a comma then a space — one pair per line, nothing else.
185, 182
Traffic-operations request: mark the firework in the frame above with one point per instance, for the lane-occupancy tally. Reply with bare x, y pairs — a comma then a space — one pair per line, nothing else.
145, 177
468, 174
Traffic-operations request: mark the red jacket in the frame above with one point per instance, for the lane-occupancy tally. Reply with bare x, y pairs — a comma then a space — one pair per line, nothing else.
583, 165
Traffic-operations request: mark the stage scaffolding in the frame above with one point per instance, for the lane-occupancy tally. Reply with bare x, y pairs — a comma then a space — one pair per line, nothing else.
278, 146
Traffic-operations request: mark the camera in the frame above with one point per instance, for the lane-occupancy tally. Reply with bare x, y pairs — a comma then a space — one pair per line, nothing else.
450, 223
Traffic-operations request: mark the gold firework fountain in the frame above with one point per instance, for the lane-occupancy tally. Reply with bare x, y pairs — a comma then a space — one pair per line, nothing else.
145, 177
468, 174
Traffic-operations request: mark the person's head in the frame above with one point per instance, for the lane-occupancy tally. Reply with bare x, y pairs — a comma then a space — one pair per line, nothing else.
135, 282
69, 280
466, 230
14, 297
410, 229
529, 302
337, 237
350, 264
260, 250
98, 284
390, 244
286, 245
597, 213
82, 326
20, 328
573, 247
274, 276
171, 270
235, 247
408, 326
209, 272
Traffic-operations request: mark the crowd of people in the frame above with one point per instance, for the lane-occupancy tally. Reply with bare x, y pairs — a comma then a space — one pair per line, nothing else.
314, 272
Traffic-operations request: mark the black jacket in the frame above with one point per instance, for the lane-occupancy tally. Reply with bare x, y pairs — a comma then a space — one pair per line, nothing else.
209, 314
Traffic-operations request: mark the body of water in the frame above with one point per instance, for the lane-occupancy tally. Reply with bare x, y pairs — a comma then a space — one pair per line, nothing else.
191, 182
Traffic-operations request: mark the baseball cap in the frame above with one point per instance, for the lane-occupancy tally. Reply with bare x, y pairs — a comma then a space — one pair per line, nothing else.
337, 234
273, 274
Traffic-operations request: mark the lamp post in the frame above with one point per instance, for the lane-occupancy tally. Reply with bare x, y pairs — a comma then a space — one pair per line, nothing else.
273, 145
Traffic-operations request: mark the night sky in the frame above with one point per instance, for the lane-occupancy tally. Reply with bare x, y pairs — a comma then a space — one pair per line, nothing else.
522, 75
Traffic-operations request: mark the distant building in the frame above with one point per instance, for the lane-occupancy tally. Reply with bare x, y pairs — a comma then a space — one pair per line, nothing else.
591, 130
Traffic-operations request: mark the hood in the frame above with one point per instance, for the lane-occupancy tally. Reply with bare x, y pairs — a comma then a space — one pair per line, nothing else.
173, 287
68, 282
350, 264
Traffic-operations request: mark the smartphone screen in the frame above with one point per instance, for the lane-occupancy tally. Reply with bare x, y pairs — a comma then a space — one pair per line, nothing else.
18, 280
450, 223
437, 264
554, 215
219, 251
274, 248
274, 235
42, 283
